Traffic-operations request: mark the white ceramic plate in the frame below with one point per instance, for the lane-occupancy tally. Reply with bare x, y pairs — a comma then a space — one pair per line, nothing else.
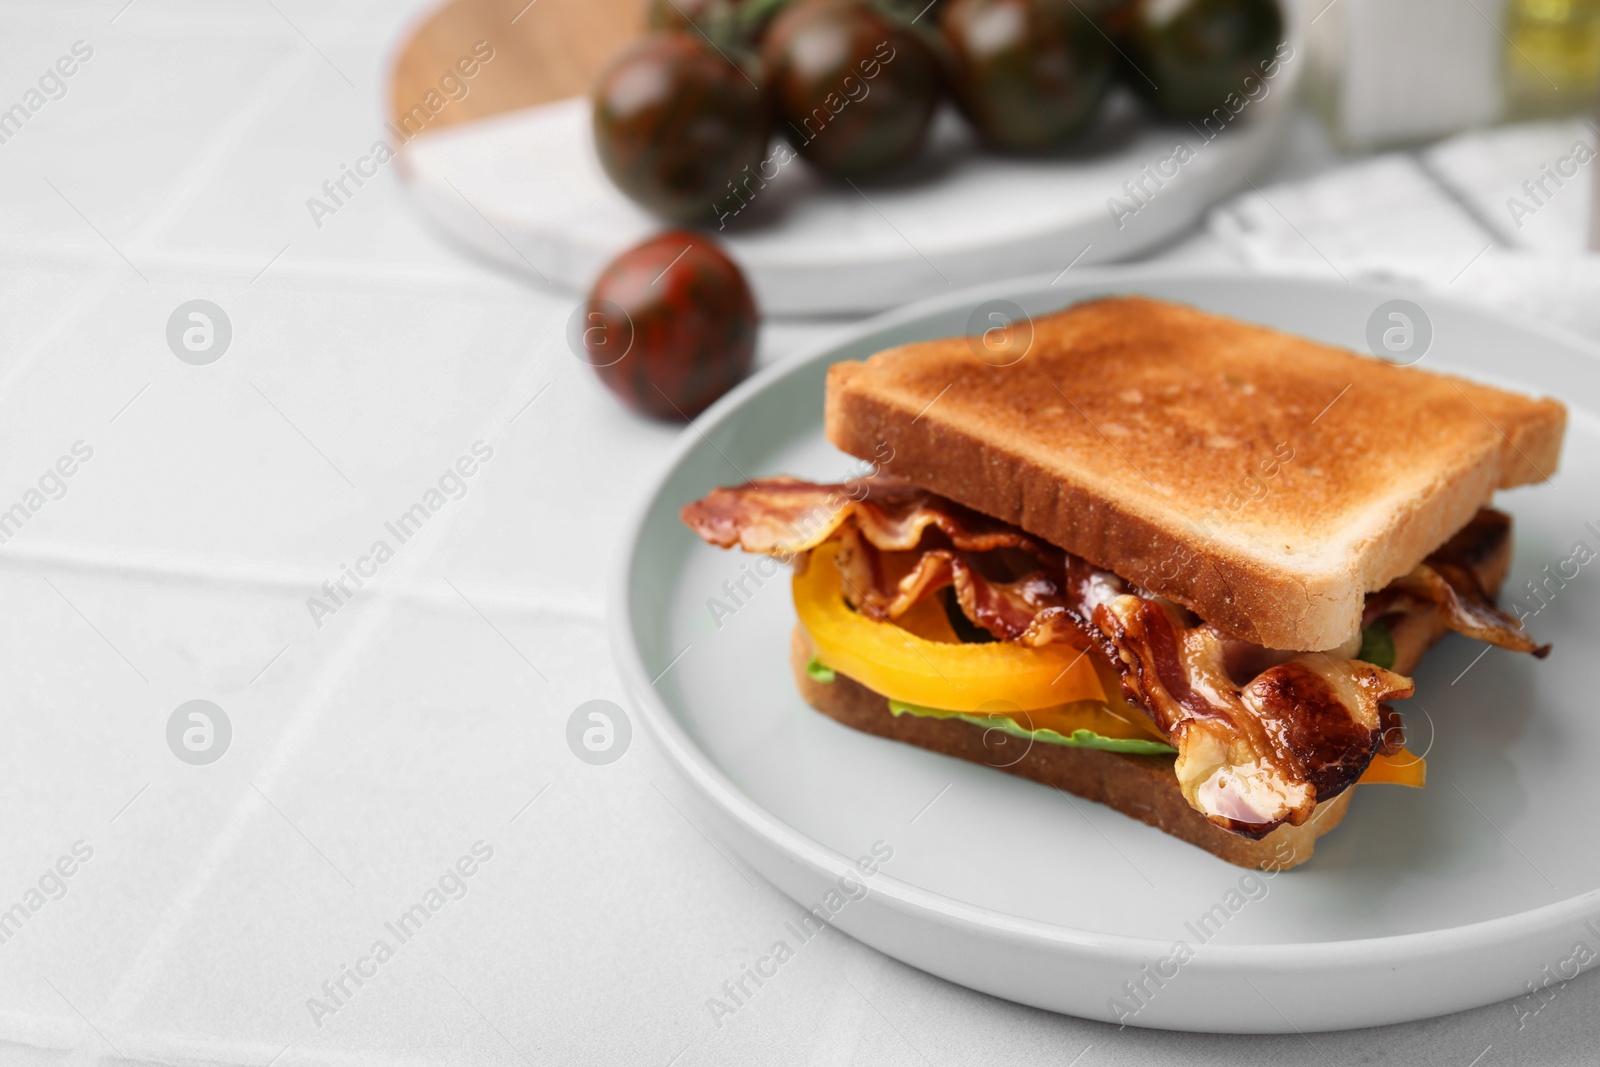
1422, 902
526, 188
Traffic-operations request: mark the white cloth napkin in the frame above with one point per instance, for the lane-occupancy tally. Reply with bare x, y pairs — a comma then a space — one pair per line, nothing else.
1499, 217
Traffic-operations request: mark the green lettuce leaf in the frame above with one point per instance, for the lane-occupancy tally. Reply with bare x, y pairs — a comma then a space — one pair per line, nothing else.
819, 673
1377, 646
1078, 738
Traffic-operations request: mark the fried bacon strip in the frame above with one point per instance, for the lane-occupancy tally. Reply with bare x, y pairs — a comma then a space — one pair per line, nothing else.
1251, 757
1253, 753
1466, 608
784, 516
1034, 609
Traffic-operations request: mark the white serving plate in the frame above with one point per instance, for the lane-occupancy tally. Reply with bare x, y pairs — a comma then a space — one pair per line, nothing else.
525, 188
1422, 902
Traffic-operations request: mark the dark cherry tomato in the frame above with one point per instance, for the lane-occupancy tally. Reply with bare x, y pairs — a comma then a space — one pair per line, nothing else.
1028, 74
671, 325
675, 123
1189, 56
853, 89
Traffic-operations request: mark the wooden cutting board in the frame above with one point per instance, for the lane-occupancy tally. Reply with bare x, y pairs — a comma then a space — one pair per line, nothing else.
544, 50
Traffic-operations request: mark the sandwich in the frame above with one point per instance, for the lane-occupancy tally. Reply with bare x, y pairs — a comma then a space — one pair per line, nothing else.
1171, 562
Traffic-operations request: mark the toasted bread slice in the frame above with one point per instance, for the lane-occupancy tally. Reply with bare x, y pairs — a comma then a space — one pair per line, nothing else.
1143, 787
1266, 481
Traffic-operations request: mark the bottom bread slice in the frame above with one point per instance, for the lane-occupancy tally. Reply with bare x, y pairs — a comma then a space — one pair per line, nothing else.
1143, 787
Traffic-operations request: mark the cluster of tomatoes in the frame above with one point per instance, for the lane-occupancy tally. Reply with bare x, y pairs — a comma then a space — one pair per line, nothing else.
685, 121
684, 118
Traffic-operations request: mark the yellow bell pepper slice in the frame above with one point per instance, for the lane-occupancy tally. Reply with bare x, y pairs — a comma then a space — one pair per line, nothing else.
1065, 722
1402, 768
934, 671
892, 661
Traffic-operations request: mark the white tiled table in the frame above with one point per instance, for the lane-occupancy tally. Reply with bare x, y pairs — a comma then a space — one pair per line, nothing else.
371, 752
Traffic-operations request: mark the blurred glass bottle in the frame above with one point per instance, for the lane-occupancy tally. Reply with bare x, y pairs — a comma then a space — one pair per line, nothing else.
1552, 56
1391, 72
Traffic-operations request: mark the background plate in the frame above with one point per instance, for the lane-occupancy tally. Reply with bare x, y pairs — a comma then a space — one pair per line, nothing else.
1421, 903
526, 188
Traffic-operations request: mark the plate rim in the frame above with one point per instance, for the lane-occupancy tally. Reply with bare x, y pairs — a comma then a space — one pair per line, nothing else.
696, 765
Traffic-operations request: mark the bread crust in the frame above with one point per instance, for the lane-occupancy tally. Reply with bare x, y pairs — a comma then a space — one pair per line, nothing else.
1143, 787
1265, 481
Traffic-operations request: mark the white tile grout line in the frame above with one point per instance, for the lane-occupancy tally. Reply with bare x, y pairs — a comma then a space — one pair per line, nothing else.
135, 981
181, 193
144, 245
52, 1033
99, 286
271, 90
134, 984
190, 21
178, 1048
455, 275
